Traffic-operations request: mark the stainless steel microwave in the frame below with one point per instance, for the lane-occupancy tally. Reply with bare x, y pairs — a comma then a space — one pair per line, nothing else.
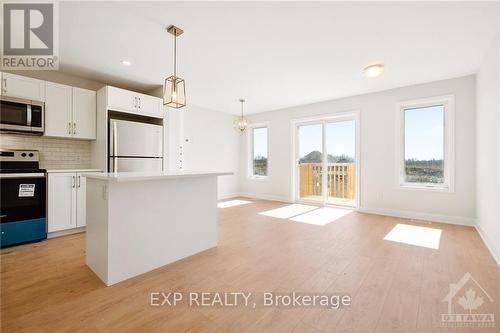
21, 115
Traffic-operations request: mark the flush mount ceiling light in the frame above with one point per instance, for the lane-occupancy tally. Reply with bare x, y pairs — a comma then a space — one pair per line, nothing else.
174, 90
126, 63
373, 70
241, 123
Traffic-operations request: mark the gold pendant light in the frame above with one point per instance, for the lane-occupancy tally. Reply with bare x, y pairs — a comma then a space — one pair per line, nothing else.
241, 123
174, 90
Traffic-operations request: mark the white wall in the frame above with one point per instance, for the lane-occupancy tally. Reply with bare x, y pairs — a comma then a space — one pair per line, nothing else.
209, 143
379, 189
213, 144
488, 149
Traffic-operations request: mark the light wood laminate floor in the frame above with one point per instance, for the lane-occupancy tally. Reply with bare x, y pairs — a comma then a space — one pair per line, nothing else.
395, 287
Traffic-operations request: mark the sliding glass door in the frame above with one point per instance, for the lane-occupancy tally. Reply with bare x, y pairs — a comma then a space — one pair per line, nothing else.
326, 161
341, 162
310, 163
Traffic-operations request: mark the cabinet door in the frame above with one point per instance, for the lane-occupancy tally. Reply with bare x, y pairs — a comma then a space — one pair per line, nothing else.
23, 87
122, 100
151, 106
58, 108
61, 201
81, 209
84, 114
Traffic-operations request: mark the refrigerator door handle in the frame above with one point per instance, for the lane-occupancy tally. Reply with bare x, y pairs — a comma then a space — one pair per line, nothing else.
115, 147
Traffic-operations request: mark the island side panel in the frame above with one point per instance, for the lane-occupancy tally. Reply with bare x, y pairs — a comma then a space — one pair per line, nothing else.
155, 222
97, 227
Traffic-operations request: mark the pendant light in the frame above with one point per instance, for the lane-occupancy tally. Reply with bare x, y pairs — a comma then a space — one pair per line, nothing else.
241, 123
174, 90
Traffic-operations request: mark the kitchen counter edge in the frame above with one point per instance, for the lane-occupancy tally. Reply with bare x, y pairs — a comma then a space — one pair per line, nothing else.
133, 176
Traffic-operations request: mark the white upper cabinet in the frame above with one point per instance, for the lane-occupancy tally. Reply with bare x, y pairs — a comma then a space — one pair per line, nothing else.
84, 114
132, 102
70, 112
58, 110
23, 87
150, 105
122, 100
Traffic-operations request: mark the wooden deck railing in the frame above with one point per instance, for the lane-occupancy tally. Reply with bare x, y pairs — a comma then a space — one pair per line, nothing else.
341, 179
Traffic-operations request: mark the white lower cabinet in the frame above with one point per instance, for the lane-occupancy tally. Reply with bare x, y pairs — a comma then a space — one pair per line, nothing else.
66, 201
81, 217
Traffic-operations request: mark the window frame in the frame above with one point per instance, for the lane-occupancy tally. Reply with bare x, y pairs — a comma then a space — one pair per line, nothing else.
448, 102
250, 139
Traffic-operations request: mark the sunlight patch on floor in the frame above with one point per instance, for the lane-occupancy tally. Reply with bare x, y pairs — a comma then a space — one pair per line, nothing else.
289, 211
322, 216
415, 235
232, 203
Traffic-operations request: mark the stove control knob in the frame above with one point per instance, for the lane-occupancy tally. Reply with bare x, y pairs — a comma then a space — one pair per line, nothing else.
23, 154
30, 155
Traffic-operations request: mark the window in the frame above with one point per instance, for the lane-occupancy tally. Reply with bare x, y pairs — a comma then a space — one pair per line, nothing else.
259, 151
426, 143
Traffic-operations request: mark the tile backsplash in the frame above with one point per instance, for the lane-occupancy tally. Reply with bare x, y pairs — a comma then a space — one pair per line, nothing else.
55, 153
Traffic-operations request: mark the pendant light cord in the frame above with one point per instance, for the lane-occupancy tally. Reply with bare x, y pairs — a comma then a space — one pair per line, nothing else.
175, 54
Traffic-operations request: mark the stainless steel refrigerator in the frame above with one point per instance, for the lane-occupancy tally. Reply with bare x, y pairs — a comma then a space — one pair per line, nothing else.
135, 146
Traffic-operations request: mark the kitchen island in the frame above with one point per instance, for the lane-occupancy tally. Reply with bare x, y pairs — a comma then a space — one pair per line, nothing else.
137, 222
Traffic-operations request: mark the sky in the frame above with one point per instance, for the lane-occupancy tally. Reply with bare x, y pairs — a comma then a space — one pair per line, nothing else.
260, 142
424, 129
340, 138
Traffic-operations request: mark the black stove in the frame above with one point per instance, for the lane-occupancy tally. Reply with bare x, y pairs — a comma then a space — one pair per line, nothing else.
23, 209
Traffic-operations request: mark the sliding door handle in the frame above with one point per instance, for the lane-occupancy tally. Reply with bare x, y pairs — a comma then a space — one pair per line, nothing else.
79, 181
73, 181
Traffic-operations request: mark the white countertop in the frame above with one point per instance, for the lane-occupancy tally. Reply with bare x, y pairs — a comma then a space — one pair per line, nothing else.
73, 170
139, 176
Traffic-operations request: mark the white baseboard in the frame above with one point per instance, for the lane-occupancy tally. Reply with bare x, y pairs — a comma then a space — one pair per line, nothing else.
489, 244
227, 196
420, 216
55, 234
264, 197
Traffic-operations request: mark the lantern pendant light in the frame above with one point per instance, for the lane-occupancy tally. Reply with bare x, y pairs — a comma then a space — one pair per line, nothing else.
174, 90
241, 122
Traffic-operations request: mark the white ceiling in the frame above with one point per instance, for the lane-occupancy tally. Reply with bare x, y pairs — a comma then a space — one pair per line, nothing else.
275, 54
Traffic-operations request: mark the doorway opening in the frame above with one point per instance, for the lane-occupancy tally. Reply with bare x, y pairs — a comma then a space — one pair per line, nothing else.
325, 164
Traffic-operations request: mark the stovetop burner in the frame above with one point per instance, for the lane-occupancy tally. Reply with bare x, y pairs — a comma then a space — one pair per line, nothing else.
19, 161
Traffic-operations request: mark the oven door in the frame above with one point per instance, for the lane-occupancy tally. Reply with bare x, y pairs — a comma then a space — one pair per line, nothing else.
21, 115
23, 196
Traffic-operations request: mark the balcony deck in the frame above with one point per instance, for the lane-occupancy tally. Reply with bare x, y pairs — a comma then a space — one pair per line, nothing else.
341, 183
